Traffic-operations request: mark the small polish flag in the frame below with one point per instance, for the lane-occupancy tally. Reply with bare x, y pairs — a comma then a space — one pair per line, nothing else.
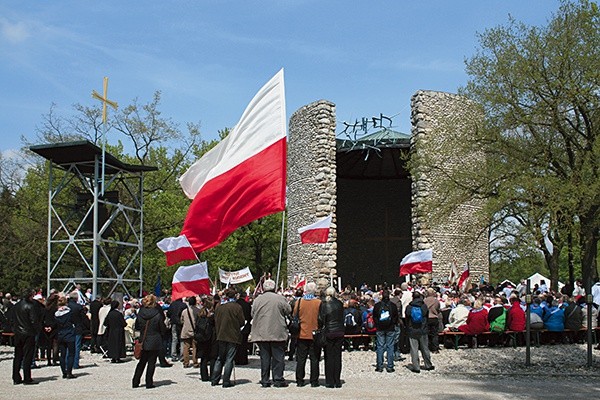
301, 284
190, 281
417, 262
464, 277
177, 249
317, 232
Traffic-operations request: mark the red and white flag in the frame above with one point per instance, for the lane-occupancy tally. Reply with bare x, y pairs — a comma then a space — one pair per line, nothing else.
453, 273
301, 283
317, 232
417, 262
242, 178
177, 249
462, 281
190, 281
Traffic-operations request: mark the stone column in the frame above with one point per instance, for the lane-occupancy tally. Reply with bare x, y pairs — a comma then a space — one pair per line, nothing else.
311, 189
440, 124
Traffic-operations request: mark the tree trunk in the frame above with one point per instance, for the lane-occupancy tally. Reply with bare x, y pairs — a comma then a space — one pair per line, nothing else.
589, 248
553, 266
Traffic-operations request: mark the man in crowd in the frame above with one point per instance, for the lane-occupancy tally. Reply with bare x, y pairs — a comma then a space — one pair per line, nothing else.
78, 320
174, 314
269, 330
417, 332
229, 318
26, 323
385, 314
241, 356
95, 307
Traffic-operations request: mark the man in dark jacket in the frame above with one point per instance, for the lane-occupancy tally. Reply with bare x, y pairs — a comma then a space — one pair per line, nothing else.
229, 318
174, 314
241, 356
78, 319
26, 324
95, 307
385, 314
417, 333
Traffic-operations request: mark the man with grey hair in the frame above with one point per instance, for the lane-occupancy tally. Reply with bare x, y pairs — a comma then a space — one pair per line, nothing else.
78, 320
307, 309
270, 332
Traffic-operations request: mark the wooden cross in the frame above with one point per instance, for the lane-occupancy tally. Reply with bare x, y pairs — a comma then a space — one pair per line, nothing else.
104, 99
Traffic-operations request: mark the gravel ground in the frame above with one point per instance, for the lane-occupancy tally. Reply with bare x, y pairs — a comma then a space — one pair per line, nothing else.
558, 372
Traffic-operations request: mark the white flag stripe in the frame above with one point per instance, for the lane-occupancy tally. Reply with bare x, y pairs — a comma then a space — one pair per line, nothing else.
256, 130
418, 256
323, 223
173, 243
190, 273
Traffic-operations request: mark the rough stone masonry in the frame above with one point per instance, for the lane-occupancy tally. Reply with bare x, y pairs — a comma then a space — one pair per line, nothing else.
438, 120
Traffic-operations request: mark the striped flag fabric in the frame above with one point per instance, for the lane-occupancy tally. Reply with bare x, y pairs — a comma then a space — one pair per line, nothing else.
243, 178
317, 232
177, 249
417, 262
462, 281
190, 280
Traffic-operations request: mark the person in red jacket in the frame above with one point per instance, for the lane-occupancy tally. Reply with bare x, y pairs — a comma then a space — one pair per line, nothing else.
477, 321
515, 320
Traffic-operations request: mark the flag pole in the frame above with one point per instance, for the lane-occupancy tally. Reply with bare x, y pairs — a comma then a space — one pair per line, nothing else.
280, 246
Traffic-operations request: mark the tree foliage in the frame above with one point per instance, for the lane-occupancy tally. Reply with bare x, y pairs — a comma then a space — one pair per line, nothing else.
539, 88
139, 135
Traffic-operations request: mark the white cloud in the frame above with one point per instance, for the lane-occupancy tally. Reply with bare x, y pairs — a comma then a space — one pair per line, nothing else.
14, 32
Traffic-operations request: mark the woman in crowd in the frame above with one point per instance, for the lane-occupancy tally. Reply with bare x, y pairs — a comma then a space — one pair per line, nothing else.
477, 320
207, 349
115, 333
151, 326
50, 329
554, 320
65, 325
331, 322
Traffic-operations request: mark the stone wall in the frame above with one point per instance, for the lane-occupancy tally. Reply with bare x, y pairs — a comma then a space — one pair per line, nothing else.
440, 122
311, 189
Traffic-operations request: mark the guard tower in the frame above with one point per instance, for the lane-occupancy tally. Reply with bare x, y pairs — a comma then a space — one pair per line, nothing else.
93, 237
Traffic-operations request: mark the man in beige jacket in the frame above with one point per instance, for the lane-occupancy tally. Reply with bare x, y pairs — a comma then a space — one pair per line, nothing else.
189, 316
270, 332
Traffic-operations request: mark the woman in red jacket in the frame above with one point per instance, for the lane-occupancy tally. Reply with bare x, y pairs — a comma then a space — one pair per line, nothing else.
477, 321
515, 320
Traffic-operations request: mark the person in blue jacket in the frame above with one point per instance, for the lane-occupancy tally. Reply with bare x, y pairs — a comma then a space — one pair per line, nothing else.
554, 320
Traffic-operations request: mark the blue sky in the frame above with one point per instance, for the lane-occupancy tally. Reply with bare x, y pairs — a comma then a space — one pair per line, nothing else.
208, 58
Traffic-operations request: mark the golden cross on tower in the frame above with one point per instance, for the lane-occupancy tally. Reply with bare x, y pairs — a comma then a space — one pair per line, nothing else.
104, 99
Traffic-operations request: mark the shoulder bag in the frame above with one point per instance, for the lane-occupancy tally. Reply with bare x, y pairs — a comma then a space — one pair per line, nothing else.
137, 346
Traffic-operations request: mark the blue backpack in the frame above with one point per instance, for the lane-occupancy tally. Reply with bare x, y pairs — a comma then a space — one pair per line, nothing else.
416, 315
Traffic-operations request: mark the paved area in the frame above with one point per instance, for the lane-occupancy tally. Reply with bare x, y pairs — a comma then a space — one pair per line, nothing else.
99, 379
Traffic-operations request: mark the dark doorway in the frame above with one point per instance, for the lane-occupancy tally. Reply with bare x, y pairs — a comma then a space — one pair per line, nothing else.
373, 210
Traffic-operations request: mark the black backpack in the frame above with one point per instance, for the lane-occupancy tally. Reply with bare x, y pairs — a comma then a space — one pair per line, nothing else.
385, 316
203, 330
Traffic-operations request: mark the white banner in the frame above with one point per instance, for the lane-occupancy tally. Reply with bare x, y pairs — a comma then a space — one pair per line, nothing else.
235, 277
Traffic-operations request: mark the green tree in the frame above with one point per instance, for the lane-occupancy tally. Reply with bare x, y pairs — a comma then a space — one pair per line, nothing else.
540, 89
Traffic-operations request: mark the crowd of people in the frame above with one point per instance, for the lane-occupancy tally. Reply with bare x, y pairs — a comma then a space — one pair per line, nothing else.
216, 332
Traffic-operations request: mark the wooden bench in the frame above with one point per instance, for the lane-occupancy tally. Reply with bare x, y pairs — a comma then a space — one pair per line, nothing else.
512, 335
10, 336
365, 338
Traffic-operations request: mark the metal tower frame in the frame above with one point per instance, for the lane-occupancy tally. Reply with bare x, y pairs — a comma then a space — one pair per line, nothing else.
75, 172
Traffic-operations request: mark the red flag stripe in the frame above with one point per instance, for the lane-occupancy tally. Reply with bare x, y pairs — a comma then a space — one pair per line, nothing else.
191, 288
419, 267
180, 254
319, 235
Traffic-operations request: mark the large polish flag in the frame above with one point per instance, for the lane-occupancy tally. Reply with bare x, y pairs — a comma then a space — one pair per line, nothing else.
190, 281
177, 249
241, 179
417, 262
317, 232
